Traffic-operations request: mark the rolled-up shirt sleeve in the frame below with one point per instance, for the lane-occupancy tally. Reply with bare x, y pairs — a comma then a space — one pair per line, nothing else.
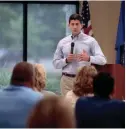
59, 61
97, 54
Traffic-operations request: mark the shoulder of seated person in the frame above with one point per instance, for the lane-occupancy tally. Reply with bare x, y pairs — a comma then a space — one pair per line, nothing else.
45, 92
38, 94
84, 98
117, 101
69, 93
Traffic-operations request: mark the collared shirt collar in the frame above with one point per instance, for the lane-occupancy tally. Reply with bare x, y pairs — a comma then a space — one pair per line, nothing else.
77, 36
13, 87
100, 97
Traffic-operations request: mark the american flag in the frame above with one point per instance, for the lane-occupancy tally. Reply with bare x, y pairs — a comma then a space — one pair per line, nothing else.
122, 55
85, 13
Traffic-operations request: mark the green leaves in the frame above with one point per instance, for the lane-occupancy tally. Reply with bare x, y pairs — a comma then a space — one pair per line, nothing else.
52, 82
5, 75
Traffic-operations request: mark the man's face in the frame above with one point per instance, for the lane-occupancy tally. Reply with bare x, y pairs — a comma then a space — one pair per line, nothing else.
75, 26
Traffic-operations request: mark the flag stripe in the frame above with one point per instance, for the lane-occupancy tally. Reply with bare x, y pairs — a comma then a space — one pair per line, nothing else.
87, 30
85, 12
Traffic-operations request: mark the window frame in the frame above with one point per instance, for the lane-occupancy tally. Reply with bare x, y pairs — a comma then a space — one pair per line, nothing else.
25, 18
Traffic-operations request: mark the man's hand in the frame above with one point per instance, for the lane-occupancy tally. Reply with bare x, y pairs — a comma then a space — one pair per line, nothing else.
70, 58
84, 56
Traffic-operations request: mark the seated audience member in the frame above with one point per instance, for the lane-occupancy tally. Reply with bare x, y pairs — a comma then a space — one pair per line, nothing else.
100, 111
51, 112
82, 85
40, 80
17, 100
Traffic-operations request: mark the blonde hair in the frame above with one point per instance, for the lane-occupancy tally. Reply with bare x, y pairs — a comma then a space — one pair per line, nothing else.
40, 77
84, 80
51, 112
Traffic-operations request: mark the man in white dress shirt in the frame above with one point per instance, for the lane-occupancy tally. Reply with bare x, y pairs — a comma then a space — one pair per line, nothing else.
86, 51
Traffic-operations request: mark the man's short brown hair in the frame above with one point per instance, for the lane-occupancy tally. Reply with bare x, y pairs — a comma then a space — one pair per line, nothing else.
22, 72
75, 17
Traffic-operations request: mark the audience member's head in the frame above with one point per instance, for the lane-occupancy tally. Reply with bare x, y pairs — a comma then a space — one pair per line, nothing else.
40, 77
23, 75
51, 112
84, 81
103, 84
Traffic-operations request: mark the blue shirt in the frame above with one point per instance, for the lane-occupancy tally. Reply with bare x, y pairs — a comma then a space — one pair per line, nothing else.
16, 103
82, 42
97, 112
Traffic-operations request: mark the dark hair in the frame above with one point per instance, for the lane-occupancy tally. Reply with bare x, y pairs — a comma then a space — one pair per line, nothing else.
23, 72
75, 17
103, 84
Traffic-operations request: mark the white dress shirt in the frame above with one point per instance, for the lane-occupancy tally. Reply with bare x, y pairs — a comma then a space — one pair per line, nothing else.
82, 42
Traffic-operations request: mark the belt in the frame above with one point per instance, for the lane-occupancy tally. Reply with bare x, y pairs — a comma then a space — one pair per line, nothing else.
69, 75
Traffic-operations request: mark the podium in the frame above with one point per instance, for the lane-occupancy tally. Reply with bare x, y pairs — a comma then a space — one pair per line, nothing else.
118, 72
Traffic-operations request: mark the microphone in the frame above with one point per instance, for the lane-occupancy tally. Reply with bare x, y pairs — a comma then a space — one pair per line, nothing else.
72, 47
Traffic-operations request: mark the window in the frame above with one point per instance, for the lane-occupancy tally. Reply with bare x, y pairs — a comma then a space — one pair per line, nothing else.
11, 46
47, 24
